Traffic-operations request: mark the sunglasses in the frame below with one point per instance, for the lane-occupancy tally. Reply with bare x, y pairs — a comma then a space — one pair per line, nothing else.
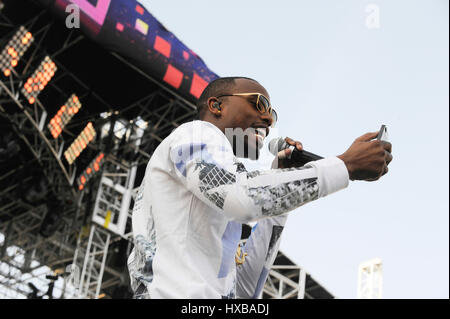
262, 104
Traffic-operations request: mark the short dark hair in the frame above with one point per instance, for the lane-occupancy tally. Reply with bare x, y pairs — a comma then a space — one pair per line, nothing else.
217, 87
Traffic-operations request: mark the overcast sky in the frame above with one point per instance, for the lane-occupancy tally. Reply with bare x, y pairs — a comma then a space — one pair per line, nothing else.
334, 74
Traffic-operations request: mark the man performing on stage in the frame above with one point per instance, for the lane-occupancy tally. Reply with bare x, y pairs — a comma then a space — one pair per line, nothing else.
196, 194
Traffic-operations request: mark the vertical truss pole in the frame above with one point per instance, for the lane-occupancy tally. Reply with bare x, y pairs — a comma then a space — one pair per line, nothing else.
370, 279
125, 207
280, 289
301, 284
83, 271
102, 267
92, 273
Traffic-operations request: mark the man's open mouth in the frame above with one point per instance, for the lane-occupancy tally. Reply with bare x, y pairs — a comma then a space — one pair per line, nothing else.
260, 133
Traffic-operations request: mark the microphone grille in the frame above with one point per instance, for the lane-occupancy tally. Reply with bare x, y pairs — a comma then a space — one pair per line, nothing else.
275, 145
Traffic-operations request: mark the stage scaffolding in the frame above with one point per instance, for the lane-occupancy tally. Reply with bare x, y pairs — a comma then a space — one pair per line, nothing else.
79, 249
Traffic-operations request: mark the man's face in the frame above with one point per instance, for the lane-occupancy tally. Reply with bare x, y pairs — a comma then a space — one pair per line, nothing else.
240, 114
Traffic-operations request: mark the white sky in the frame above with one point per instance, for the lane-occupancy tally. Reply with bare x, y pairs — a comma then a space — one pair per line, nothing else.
333, 79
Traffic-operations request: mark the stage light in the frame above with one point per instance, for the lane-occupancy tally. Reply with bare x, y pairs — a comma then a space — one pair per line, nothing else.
64, 115
39, 80
14, 50
90, 171
80, 143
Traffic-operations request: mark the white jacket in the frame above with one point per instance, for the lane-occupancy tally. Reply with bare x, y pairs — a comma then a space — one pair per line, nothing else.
188, 216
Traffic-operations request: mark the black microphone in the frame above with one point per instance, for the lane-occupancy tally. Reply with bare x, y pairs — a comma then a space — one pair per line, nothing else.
302, 157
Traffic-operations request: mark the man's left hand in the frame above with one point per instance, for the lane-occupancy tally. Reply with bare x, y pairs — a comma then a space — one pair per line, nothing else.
282, 160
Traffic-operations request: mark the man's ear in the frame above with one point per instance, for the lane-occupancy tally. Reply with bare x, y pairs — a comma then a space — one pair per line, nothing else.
214, 106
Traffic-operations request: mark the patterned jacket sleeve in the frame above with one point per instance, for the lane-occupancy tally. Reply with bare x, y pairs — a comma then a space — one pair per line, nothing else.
211, 171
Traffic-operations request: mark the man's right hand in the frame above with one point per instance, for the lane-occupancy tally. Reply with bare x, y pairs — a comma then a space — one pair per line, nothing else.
367, 159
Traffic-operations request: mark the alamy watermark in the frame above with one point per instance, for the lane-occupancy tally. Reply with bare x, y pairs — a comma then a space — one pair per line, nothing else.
373, 16
73, 17
204, 145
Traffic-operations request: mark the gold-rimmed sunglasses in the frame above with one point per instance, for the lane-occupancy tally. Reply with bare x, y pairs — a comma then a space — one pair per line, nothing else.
262, 104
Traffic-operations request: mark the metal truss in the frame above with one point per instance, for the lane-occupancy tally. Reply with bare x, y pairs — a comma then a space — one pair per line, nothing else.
285, 282
113, 205
29, 121
22, 231
94, 259
160, 109
31, 250
161, 119
29, 125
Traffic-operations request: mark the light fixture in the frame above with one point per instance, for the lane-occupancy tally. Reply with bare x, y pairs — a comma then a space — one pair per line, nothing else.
90, 171
80, 143
39, 80
14, 50
64, 115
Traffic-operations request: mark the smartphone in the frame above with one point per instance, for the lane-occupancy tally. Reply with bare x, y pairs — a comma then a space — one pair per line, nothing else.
383, 134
